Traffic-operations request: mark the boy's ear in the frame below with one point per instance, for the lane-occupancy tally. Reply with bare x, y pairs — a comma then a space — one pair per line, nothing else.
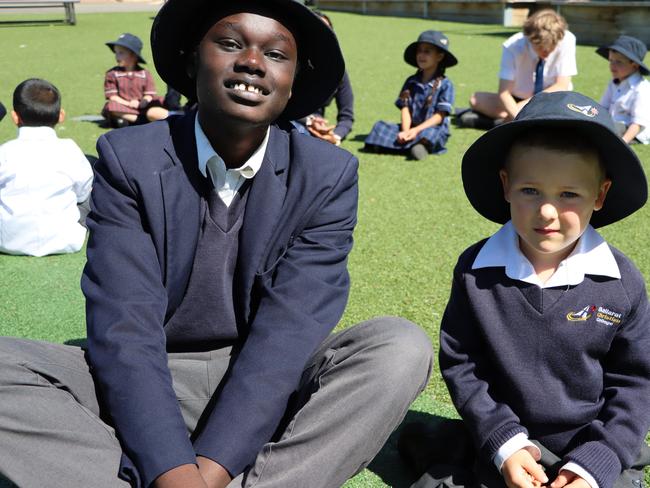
602, 193
503, 175
16, 118
61, 116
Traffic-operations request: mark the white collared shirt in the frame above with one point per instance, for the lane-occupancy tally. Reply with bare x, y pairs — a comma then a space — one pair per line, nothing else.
226, 181
591, 256
42, 178
519, 59
629, 102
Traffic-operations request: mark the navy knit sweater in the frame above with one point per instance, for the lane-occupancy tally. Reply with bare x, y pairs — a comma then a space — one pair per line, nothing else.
568, 366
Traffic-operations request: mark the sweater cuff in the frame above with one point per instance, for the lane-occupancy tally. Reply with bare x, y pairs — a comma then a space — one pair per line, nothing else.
500, 436
598, 460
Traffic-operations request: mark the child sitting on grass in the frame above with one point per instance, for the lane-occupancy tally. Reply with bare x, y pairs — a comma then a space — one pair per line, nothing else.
628, 94
544, 344
129, 88
425, 102
42, 178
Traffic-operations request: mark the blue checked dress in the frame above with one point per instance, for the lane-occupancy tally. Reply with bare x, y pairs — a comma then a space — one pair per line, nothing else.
423, 100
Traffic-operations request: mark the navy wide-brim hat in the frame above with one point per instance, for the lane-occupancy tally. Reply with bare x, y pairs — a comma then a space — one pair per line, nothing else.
131, 42
630, 47
564, 110
181, 24
436, 38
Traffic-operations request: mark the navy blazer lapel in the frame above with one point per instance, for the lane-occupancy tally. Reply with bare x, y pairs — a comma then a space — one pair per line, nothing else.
182, 185
263, 208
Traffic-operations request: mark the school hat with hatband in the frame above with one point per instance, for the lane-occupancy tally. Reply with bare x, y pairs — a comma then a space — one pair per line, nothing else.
181, 24
630, 47
436, 38
131, 42
575, 113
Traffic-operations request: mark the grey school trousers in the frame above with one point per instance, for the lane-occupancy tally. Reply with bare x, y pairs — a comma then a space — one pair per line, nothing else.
354, 391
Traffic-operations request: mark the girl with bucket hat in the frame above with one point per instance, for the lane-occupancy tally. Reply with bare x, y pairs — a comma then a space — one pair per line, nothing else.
129, 88
627, 97
425, 102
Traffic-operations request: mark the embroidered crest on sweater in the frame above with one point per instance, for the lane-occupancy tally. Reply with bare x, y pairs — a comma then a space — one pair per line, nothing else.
603, 315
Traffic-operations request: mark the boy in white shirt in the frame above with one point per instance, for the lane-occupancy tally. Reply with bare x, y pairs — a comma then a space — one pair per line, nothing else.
42, 178
627, 97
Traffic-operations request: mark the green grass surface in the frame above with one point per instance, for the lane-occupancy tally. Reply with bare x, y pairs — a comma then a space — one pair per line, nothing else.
414, 219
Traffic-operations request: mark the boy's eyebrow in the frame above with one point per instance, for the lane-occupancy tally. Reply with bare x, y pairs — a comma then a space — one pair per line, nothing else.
234, 26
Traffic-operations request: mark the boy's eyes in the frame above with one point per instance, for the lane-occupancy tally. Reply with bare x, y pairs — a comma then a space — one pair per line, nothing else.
529, 191
534, 192
233, 45
569, 194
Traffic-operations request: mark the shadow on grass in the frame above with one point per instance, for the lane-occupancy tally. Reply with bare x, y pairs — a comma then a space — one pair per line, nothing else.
82, 342
388, 464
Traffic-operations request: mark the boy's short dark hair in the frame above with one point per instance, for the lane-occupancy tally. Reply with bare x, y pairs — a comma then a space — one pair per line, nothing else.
37, 102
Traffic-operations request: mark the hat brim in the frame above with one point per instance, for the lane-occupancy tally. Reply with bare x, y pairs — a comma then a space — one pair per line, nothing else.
117, 43
321, 62
604, 52
410, 55
484, 159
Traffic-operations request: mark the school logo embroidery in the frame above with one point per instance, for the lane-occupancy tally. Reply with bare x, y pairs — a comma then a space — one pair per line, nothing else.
588, 110
582, 315
444, 42
603, 315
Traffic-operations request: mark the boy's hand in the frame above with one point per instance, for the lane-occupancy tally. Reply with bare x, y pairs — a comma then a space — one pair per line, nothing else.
569, 479
215, 475
522, 471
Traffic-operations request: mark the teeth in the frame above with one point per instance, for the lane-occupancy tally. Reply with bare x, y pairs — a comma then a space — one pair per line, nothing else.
246, 88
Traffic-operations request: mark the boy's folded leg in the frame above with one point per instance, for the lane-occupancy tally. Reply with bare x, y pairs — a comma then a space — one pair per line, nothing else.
356, 389
51, 433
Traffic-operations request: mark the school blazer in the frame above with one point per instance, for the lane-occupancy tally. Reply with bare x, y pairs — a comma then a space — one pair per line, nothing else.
291, 286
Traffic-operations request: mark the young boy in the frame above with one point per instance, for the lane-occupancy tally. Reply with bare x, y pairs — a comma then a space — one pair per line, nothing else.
217, 267
43, 179
540, 58
627, 97
547, 330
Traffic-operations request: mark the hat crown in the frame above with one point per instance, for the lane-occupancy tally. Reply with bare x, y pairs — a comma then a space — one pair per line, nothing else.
434, 37
631, 44
565, 106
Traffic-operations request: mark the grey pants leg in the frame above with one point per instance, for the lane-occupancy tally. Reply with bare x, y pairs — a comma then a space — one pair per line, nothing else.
361, 382
355, 390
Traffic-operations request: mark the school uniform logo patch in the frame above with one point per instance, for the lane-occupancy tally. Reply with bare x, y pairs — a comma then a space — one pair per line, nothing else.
582, 315
603, 315
588, 110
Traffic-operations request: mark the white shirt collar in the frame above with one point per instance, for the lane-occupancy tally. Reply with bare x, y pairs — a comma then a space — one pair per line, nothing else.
591, 256
40, 132
632, 80
205, 152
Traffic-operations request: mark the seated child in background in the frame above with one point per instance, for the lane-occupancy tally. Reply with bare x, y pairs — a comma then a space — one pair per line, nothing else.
426, 100
316, 124
547, 330
540, 58
628, 94
42, 178
129, 88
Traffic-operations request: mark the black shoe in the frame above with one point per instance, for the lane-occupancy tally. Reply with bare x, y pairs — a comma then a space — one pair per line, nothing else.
419, 152
475, 120
444, 442
118, 123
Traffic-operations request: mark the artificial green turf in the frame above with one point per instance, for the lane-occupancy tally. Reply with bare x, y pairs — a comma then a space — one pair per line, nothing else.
414, 219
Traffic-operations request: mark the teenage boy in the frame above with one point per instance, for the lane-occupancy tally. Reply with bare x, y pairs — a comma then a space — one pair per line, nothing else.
547, 330
627, 97
44, 181
216, 271
540, 58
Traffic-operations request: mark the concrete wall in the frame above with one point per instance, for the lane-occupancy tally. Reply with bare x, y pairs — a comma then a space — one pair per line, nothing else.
593, 22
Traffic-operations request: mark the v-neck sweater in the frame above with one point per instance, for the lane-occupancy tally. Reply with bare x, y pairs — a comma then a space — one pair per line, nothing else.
568, 366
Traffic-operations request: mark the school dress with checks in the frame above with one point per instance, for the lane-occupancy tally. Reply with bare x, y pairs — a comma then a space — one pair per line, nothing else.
423, 100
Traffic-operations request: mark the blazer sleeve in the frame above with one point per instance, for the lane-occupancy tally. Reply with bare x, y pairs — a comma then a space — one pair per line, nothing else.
467, 372
125, 309
301, 298
345, 107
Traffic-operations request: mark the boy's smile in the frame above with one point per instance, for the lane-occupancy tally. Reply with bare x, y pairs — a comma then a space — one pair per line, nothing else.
245, 67
552, 195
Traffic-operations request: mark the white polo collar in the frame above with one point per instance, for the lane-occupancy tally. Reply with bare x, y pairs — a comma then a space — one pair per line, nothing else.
205, 152
591, 256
